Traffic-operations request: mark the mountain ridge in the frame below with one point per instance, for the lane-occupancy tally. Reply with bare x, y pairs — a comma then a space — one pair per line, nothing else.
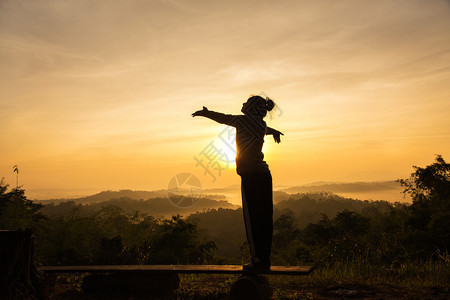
363, 190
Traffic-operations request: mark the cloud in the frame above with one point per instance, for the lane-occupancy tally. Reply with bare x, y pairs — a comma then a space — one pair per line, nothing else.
75, 73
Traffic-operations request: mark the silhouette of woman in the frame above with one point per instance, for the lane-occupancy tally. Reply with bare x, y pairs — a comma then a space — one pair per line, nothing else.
256, 179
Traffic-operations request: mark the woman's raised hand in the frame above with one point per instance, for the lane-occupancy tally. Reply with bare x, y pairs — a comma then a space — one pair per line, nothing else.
276, 136
200, 112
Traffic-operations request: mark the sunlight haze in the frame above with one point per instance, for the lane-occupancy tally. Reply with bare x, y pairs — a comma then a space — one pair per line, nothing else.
98, 95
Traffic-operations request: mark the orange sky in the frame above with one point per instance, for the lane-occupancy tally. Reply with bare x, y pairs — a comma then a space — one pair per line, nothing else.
97, 95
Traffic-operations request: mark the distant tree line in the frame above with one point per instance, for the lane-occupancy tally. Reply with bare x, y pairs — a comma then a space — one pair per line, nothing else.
381, 233
108, 236
309, 228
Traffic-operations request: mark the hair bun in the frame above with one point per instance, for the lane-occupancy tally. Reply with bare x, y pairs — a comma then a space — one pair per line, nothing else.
269, 104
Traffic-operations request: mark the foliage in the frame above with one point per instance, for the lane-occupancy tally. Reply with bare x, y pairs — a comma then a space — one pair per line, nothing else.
430, 186
429, 221
113, 237
346, 239
108, 236
16, 211
381, 233
157, 206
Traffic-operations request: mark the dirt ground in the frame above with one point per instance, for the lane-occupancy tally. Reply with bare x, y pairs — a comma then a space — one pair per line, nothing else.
369, 292
197, 292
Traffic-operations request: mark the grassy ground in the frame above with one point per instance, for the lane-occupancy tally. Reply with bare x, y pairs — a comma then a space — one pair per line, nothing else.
340, 281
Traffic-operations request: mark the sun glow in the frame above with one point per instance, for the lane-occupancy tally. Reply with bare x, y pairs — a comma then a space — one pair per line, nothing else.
226, 147
362, 95
268, 148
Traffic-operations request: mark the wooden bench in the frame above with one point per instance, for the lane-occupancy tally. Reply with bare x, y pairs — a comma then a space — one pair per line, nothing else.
181, 269
164, 278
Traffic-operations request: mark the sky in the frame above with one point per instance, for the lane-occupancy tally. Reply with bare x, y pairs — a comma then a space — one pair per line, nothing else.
98, 95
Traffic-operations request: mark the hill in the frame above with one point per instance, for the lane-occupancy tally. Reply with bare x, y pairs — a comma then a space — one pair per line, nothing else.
154, 206
130, 194
383, 190
226, 226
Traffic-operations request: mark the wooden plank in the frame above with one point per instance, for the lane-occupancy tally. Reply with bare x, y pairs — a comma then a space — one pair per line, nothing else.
193, 269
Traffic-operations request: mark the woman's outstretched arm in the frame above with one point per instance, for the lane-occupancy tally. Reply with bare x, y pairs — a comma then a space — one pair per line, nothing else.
276, 134
216, 116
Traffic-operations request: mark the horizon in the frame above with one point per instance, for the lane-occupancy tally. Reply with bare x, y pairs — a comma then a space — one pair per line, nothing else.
99, 95
232, 192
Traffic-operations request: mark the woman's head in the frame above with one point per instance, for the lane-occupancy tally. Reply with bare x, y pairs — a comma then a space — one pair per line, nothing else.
257, 105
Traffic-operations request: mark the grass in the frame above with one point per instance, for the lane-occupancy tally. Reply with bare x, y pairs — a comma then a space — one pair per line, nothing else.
356, 275
353, 278
420, 274
207, 286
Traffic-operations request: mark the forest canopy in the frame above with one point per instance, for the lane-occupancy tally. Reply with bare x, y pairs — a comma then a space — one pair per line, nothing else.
317, 228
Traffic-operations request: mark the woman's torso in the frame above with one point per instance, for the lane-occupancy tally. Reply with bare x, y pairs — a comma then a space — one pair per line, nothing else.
250, 132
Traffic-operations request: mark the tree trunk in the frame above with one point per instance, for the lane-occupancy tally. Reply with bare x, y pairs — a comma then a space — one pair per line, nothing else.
18, 275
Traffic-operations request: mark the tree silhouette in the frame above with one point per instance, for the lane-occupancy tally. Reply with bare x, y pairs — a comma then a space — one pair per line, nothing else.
429, 187
429, 222
16, 211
